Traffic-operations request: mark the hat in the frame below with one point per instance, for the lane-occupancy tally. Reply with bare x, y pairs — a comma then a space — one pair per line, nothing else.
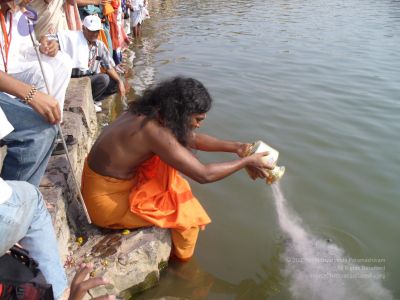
92, 23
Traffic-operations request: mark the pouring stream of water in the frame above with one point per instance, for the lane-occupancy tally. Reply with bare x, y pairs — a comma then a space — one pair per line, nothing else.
319, 269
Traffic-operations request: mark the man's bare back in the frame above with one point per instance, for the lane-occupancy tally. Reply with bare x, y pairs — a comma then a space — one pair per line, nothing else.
120, 148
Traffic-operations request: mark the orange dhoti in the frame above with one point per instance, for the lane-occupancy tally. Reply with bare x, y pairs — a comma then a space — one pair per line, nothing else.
156, 195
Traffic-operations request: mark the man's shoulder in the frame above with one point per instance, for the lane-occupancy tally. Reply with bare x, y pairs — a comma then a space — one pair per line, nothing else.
147, 125
155, 131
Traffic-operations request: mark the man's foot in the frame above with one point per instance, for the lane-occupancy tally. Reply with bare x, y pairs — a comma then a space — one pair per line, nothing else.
59, 149
69, 140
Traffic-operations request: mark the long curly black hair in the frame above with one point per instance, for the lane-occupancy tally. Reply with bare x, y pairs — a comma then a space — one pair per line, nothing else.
173, 102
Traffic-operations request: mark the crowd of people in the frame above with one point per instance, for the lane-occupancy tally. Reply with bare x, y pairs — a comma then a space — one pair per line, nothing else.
131, 176
43, 44
83, 38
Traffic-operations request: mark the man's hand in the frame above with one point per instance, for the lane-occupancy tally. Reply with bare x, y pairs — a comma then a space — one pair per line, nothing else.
48, 47
256, 160
243, 149
47, 106
80, 285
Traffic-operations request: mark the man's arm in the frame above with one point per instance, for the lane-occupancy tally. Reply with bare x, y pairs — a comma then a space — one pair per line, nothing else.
42, 103
208, 143
107, 62
161, 141
114, 75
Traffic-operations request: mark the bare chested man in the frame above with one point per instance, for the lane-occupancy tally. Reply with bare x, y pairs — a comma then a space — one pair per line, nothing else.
130, 178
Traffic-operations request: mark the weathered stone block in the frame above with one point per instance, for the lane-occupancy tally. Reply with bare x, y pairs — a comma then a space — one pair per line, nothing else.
56, 205
79, 100
126, 260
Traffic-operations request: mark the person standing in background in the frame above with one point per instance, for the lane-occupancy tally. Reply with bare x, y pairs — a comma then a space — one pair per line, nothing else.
51, 16
139, 13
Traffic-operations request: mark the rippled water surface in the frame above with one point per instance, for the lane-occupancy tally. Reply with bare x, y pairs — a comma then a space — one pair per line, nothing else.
319, 81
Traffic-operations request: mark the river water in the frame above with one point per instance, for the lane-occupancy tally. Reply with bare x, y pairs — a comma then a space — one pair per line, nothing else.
319, 81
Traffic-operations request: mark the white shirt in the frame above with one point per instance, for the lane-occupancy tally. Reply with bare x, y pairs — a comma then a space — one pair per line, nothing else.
5, 128
21, 49
137, 4
76, 46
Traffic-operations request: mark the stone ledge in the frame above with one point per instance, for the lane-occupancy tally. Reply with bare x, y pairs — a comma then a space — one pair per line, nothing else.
129, 259
131, 262
78, 93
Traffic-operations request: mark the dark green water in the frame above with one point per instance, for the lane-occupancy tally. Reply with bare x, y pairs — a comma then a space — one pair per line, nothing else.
318, 80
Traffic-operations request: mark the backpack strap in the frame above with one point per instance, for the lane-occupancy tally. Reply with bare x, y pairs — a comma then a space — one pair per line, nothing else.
23, 256
20, 278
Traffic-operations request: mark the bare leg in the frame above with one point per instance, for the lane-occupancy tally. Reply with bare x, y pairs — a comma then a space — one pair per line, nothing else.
135, 31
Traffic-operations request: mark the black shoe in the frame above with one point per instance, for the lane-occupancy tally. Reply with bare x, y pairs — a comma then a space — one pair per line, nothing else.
59, 148
69, 140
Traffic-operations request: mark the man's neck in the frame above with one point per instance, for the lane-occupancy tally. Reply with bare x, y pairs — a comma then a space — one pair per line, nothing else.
4, 8
8, 6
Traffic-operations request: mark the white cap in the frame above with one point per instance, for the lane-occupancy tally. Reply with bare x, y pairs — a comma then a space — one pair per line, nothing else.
92, 23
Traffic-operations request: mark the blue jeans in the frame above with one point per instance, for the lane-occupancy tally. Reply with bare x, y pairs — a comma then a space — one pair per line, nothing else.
24, 218
29, 146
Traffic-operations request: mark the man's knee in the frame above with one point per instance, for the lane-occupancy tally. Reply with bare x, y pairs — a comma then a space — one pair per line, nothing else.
100, 86
49, 132
16, 213
112, 87
41, 133
184, 242
23, 117
100, 80
24, 193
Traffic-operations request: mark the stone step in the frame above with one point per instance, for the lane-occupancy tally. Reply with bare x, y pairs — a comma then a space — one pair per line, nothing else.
131, 262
